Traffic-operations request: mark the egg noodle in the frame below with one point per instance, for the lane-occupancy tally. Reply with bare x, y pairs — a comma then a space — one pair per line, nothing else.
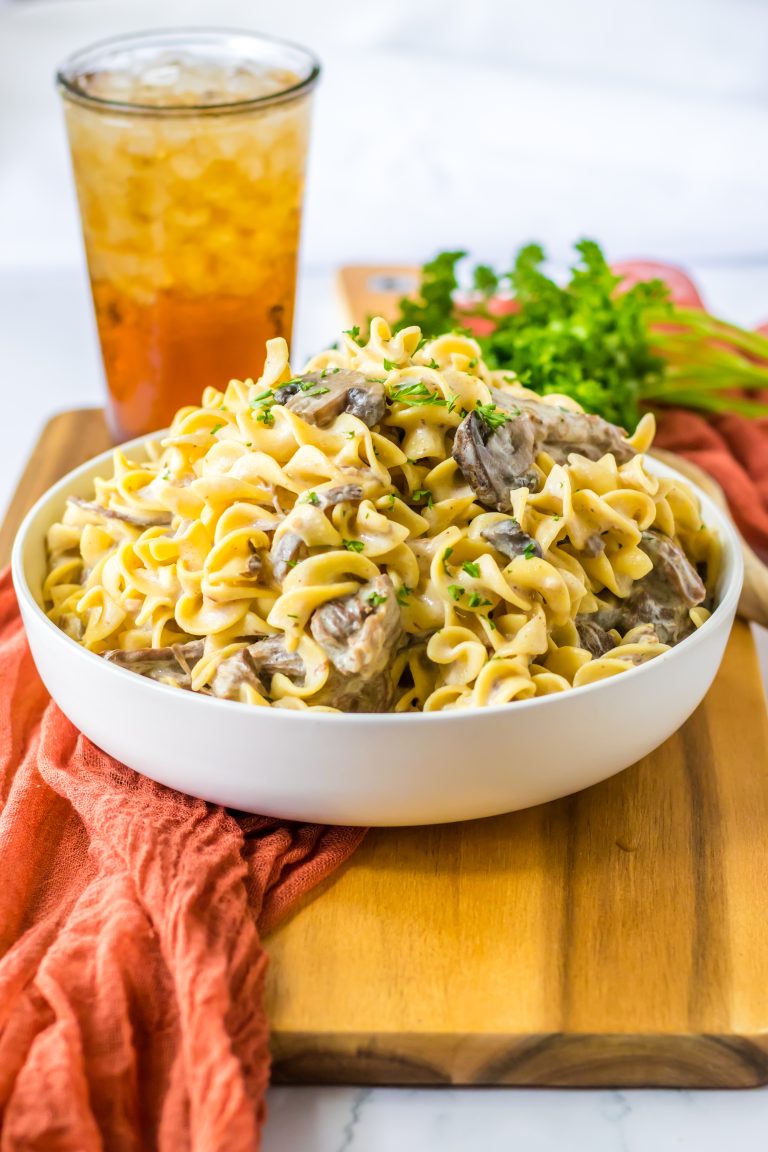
163, 552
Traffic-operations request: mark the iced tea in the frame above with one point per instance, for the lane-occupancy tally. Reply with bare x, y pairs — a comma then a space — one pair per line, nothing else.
189, 154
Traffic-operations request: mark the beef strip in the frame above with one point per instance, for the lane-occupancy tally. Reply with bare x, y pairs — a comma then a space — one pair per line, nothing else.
319, 398
167, 665
371, 633
361, 635
233, 673
507, 537
359, 632
269, 656
671, 569
158, 519
343, 494
495, 461
286, 553
357, 693
662, 598
255, 565
593, 637
593, 545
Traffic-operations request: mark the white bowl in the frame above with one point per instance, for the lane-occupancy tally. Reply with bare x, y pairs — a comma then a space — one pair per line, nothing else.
367, 769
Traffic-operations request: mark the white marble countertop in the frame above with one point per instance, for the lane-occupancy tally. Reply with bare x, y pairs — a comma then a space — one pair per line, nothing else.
641, 124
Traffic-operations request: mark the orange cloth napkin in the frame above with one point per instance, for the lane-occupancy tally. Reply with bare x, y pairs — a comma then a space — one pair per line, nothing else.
732, 449
131, 964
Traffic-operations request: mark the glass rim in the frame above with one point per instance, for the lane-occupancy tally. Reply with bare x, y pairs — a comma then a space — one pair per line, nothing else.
69, 71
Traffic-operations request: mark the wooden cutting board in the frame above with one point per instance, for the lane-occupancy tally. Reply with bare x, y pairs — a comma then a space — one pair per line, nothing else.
616, 937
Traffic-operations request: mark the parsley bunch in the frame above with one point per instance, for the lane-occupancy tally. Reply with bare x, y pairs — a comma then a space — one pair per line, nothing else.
612, 351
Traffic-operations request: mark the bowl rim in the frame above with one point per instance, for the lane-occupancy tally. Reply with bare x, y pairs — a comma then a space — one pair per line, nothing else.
715, 516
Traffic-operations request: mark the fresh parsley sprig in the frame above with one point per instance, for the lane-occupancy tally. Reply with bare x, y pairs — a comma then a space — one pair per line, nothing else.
613, 351
416, 393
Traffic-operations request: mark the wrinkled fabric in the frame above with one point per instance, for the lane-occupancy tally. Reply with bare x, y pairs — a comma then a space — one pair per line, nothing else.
131, 964
734, 451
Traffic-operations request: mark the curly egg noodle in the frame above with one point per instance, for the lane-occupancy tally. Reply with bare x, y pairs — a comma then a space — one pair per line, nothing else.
164, 552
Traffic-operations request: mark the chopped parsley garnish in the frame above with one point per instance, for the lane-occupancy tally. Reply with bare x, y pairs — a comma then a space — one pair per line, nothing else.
471, 568
291, 563
353, 332
215, 429
265, 416
389, 366
420, 345
391, 500
491, 624
353, 545
422, 495
473, 362
403, 593
494, 417
350, 435
292, 616
557, 517
475, 600
312, 498
417, 393
313, 389
453, 402
375, 599
262, 398
446, 557
166, 475
249, 444
434, 364
456, 591
530, 551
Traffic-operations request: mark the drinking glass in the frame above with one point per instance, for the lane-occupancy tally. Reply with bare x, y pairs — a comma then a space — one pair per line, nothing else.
188, 150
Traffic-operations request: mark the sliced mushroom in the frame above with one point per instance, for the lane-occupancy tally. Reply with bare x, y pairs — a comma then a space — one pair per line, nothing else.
507, 537
560, 431
170, 665
319, 397
495, 462
366, 402
156, 520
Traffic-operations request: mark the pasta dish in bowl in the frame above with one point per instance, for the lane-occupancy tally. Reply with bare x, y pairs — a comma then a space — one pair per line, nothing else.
396, 529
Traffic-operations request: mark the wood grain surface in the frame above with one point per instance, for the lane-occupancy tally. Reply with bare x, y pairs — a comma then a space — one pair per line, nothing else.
616, 937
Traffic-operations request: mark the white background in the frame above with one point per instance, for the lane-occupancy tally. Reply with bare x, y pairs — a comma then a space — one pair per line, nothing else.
482, 124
